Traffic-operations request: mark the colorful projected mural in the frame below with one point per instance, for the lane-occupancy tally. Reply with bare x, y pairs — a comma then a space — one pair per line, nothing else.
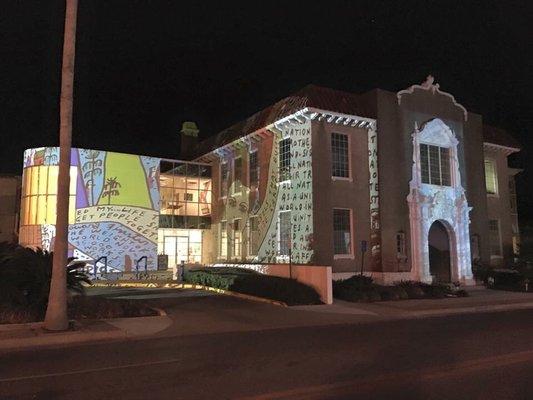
114, 205
252, 226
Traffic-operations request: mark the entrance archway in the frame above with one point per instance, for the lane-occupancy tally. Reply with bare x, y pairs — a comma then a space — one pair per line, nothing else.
439, 252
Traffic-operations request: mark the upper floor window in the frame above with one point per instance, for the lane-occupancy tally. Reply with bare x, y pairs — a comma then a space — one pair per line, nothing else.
340, 167
237, 175
253, 166
491, 180
224, 179
253, 235
285, 159
435, 165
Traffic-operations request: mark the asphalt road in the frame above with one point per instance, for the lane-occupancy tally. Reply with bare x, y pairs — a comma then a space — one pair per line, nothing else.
475, 356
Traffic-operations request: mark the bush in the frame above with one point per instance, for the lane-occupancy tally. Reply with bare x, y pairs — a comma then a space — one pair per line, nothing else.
246, 281
25, 276
414, 290
93, 307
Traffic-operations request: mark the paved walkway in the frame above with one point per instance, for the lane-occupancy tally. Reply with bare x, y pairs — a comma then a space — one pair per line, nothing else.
193, 313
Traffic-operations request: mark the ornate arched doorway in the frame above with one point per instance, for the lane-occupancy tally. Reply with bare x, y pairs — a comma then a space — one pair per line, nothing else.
439, 253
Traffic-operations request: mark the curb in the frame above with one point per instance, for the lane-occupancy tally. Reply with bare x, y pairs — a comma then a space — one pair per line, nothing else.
190, 286
472, 310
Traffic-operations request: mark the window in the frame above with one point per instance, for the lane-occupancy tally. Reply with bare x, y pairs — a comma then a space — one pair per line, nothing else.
285, 160
237, 175
253, 236
342, 232
491, 180
435, 165
494, 236
284, 233
400, 245
512, 195
188, 197
224, 179
223, 240
340, 167
237, 238
253, 172
474, 247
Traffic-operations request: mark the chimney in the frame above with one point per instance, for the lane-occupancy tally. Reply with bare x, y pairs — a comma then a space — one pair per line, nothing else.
189, 138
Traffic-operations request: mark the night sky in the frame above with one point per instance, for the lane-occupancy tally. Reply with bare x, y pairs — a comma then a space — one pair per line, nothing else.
143, 67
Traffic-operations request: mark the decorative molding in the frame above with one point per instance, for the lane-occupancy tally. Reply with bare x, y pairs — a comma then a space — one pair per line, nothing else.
434, 88
447, 204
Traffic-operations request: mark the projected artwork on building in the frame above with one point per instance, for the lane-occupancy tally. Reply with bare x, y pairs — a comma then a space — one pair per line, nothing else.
114, 205
268, 218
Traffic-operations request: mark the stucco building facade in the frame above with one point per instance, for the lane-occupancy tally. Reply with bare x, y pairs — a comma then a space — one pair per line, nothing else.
407, 185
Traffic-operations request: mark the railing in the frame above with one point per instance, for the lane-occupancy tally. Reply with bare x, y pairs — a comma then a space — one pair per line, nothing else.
145, 259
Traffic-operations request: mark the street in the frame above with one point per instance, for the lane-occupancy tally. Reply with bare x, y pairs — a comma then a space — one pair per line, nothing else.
470, 356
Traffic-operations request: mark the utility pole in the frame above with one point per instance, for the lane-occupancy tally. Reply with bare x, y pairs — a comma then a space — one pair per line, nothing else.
56, 318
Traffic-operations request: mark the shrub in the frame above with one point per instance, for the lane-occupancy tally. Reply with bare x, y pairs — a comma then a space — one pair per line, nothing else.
93, 307
413, 290
250, 282
25, 276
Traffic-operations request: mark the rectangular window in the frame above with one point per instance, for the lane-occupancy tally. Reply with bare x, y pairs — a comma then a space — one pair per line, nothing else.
253, 172
342, 232
253, 236
237, 238
435, 165
237, 175
224, 179
223, 240
285, 159
284, 233
494, 237
400, 245
491, 181
340, 167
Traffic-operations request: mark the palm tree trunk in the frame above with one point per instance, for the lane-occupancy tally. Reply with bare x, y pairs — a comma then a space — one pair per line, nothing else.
56, 318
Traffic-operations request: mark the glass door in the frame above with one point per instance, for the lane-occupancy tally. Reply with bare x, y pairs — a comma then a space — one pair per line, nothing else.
177, 249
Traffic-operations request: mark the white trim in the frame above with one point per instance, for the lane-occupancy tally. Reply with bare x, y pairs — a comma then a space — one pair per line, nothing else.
506, 149
434, 89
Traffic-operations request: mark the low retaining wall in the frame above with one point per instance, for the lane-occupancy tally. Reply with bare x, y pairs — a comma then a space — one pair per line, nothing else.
316, 276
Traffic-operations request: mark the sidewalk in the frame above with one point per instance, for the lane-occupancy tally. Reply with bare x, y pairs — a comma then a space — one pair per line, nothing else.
480, 300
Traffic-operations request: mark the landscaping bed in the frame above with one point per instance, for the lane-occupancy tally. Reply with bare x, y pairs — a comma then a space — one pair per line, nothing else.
516, 279
246, 281
363, 289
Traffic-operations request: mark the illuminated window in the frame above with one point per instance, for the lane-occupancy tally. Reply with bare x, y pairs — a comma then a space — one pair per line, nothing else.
495, 238
284, 233
253, 172
435, 165
491, 180
253, 236
340, 166
237, 238
342, 232
223, 240
285, 160
224, 179
237, 175
39, 195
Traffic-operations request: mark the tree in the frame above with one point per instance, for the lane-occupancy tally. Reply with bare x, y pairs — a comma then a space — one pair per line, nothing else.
111, 189
56, 318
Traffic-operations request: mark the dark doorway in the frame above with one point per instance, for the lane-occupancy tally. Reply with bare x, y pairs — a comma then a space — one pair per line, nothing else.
439, 252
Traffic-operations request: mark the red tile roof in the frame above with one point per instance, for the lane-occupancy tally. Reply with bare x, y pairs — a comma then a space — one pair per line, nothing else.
499, 136
310, 96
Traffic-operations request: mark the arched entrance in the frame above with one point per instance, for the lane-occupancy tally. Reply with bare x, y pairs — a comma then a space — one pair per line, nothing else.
439, 252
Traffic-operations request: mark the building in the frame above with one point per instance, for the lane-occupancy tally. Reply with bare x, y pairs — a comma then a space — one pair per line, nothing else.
9, 207
406, 185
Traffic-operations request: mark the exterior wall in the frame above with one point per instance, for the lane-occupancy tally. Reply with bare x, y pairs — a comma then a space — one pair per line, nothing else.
9, 207
114, 206
499, 207
396, 124
330, 193
266, 201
